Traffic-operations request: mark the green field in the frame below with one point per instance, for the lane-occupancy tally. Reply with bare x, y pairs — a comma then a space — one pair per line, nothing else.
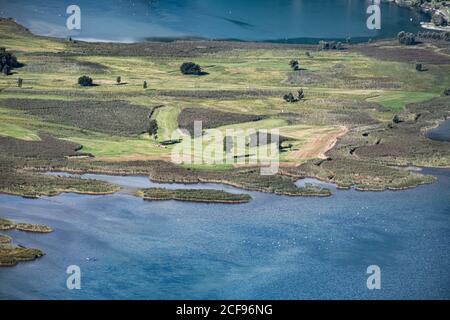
346, 92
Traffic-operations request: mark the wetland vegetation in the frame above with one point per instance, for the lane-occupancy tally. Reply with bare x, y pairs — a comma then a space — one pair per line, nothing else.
11, 254
341, 131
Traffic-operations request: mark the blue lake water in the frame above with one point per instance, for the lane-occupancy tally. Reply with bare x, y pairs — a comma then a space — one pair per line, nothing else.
273, 247
283, 20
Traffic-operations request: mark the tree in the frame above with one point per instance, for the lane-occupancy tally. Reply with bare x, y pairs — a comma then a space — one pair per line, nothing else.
119, 80
8, 61
85, 81
145, 85
289, 98
19, 82
153, 128
294, 65
419, 67
190, 68
301, 94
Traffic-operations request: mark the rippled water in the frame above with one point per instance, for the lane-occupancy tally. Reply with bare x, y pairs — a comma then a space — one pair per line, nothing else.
273, 247
297, 20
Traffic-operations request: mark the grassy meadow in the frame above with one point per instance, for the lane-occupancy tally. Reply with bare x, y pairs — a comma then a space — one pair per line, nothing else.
346, 92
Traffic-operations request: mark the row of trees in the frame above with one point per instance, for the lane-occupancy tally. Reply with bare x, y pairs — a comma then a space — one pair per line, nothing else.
445, 36
406, 38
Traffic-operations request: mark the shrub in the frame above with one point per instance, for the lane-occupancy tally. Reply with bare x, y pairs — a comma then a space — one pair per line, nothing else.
396, 119
85, 81
119, 80
190, 68
145, 85
19, 82
446, 92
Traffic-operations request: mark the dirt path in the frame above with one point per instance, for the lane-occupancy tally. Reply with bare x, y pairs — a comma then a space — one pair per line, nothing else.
318, 145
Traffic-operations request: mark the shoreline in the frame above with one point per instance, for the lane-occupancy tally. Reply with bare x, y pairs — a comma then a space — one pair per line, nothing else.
300, 41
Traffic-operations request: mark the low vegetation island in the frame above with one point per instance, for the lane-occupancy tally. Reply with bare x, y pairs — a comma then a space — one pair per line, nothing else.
192, 195
11, 254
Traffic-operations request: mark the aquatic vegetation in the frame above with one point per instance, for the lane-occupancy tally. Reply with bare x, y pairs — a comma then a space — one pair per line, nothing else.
203, 195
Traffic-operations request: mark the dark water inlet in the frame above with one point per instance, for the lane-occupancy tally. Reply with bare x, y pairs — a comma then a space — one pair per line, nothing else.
441, 132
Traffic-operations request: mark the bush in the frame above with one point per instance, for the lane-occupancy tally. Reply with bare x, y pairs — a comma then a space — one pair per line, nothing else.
118, 80
8, 61
85, 81
446, 92
145, 85
190, 68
